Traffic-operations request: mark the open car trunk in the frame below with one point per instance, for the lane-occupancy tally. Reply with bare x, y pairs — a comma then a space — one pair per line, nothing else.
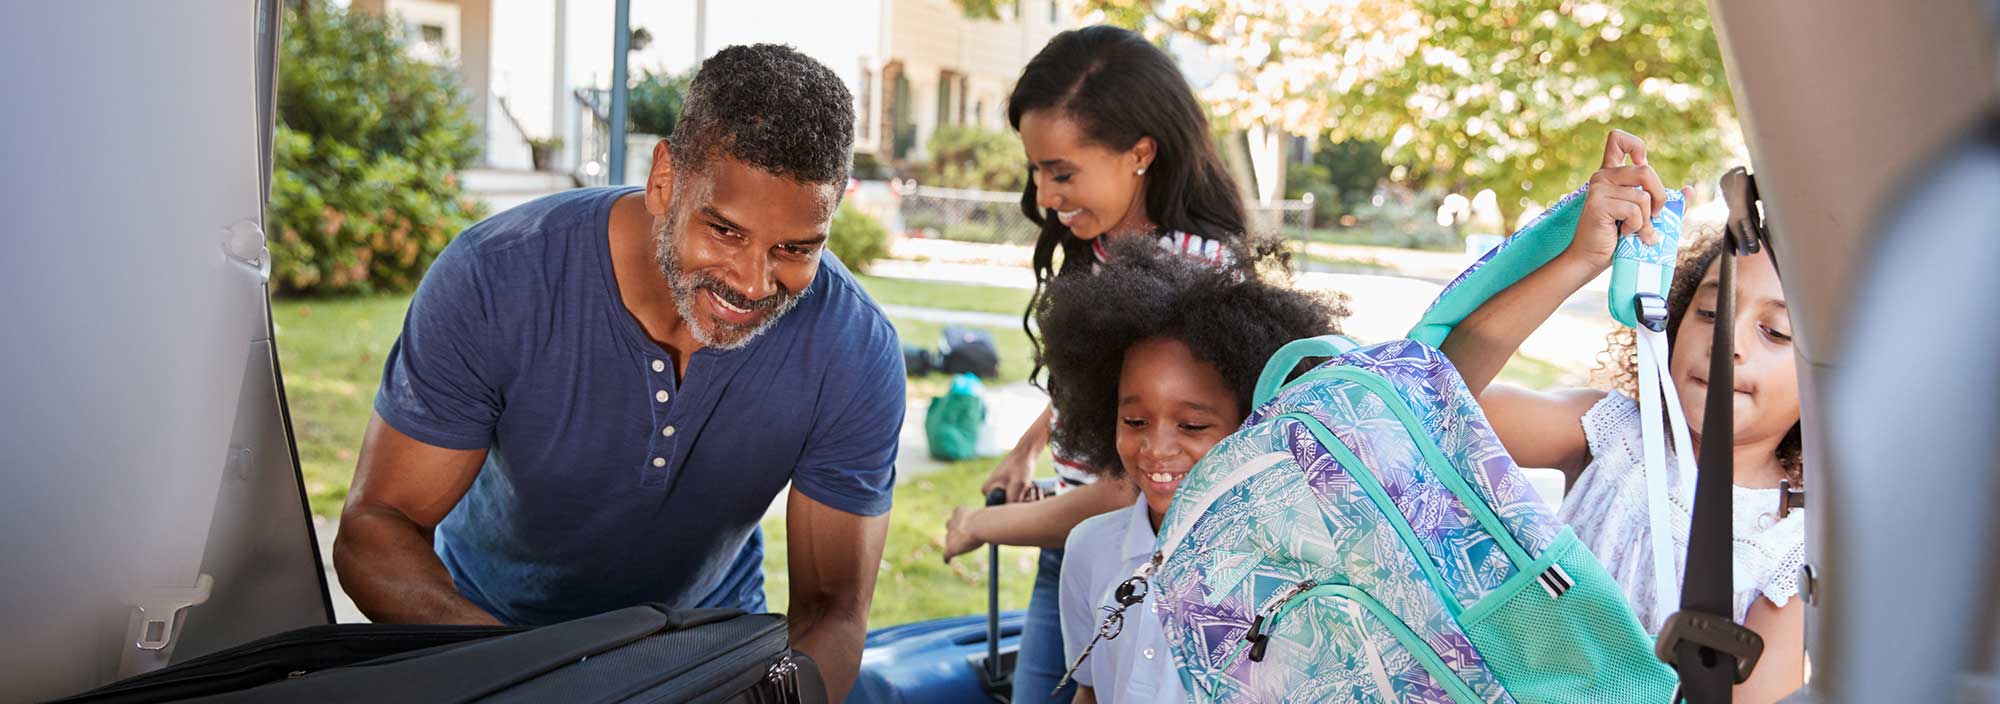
154, 511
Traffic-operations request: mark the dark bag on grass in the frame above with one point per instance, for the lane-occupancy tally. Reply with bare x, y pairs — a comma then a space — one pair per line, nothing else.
969, 351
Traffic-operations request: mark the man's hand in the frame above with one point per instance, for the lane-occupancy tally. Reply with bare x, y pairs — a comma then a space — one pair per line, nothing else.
832, 557
402, 488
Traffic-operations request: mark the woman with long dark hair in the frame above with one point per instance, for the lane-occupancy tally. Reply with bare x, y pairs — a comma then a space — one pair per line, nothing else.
1117, 148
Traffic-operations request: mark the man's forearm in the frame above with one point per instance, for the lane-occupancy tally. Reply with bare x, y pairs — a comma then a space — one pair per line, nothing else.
833, 639
386, 565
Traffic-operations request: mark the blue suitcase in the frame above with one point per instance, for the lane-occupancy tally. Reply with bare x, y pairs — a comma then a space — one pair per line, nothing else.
954, 660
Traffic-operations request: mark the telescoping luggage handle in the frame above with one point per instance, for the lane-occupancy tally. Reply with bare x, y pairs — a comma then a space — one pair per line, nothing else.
995, 497
1279, 369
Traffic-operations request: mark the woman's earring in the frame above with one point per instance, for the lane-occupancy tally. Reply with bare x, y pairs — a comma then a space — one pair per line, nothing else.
1141, 171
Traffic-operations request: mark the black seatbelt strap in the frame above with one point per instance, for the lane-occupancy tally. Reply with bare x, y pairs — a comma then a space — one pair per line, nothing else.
1702, 641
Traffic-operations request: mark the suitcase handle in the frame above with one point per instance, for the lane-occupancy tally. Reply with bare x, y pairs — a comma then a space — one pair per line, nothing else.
995, 497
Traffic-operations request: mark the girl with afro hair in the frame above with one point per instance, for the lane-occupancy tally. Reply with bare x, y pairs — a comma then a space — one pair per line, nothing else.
1151, 362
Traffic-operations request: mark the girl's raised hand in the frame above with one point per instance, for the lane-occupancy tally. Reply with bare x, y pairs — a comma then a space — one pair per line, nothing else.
1624, 195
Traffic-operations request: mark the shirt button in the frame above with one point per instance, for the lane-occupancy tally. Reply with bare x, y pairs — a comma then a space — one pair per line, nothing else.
659, 366
667, 431
1149, 653
661, 396
659, 461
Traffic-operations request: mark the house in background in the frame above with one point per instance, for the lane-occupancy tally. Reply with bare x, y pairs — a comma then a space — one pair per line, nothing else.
937, 68
537, 69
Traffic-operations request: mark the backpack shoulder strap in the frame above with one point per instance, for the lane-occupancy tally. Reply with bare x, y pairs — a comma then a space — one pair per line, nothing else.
1279, 369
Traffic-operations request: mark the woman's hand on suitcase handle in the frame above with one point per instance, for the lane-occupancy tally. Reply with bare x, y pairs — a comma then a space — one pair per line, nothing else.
1016, 470
1015, 473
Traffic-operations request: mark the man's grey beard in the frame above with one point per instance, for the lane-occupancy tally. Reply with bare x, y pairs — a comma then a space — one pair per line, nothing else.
685, 286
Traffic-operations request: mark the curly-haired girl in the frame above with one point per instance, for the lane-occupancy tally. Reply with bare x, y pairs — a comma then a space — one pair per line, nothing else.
1594, 435
1151, 363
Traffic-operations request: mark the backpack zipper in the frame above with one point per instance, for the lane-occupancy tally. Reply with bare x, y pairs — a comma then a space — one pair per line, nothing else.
1256, 636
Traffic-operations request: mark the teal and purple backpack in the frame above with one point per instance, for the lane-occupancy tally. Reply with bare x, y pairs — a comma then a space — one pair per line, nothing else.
1364, 537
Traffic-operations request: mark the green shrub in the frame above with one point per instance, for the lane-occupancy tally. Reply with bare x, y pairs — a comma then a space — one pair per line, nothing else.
1341, 176
655, 101
971, 157
857, 238
364, 191
868, 167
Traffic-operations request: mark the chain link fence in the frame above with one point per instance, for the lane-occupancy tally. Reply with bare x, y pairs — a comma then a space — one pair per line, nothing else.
992, 217
995, 217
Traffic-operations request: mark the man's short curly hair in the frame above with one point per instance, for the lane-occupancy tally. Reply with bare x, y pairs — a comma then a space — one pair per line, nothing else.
1230, 318
771, 107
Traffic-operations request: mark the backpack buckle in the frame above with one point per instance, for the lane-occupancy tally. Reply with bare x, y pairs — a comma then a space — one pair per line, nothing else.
1652, 311
1713, 632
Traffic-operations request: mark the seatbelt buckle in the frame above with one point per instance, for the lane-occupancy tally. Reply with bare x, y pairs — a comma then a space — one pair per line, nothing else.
1713, 632
1652, 311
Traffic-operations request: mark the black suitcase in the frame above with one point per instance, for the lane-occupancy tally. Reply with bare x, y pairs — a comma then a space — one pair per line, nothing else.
638, 654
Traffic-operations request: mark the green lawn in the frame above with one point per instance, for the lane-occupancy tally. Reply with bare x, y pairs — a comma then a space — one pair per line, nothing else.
331, 351
969, 297
914, 583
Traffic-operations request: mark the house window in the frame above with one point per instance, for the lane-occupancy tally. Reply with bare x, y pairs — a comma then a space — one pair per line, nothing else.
947, 84
865, 112
903, 126
431, 28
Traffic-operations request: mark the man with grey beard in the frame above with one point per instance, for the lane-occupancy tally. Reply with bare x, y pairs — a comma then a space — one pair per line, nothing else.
596, 396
